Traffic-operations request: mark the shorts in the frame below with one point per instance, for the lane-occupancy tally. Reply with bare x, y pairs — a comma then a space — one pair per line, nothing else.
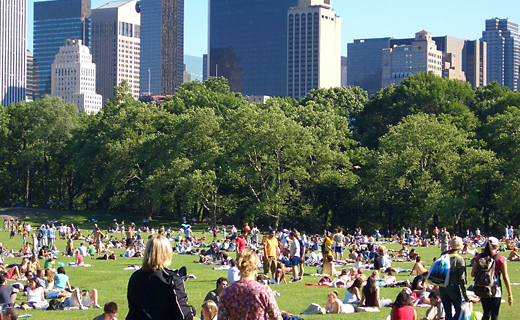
295, 261
339, 249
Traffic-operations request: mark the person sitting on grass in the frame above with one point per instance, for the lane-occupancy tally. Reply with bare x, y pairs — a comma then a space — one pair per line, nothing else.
402, 308
35, 296
7, 293
328, 266
353, 294
279, 275
214, 295
436, 311
109, 312
514, 256
335, 306
370, 293
61, 280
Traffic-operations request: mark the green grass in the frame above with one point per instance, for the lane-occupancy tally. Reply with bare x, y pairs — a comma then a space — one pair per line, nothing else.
111, 280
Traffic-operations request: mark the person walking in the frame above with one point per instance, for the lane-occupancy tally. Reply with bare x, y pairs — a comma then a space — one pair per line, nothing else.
491, 305
452, 294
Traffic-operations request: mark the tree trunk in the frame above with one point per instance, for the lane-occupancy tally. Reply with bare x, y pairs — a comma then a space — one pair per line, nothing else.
27, 181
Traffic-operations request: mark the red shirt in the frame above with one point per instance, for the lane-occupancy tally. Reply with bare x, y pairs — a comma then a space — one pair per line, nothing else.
241, 243
403, 313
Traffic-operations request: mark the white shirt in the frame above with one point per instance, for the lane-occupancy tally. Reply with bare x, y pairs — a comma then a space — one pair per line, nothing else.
233, 275
295, 248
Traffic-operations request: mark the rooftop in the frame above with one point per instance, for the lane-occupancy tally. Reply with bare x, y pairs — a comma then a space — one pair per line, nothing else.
114, 4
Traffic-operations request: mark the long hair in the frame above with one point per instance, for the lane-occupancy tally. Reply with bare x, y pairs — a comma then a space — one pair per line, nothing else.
370, 287
158, 254
247, 263
403, 299
488, 249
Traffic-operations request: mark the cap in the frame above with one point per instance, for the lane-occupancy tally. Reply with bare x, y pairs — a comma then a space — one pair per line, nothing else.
494, 241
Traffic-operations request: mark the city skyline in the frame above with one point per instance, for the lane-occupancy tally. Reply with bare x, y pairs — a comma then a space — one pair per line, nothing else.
398, 21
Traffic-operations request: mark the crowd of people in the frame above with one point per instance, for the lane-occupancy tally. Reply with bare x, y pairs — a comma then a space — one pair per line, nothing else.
254, 260
289, 252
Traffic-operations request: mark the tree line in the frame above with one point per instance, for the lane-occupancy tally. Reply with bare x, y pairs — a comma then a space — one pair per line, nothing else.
430, 152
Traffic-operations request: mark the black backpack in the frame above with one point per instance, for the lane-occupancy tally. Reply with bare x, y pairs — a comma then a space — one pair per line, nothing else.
486, 281
56, 304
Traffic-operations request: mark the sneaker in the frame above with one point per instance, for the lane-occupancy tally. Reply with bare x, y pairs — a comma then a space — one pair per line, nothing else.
97, 306
83, 308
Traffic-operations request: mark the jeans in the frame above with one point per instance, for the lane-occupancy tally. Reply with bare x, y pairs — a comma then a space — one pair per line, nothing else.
451, 296
491, 307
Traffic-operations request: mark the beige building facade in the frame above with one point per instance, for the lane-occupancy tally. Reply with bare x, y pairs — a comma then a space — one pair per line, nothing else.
314, 47
73, 77
402, 61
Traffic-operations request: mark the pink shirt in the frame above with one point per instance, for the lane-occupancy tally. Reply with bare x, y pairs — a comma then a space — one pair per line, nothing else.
248, 300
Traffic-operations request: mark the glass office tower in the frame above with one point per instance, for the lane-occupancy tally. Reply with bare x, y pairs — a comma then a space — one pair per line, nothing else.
54, 22
162, 45
248, 44
503, 52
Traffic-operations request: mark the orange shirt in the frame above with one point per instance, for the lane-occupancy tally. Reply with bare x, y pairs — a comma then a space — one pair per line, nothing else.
271, 246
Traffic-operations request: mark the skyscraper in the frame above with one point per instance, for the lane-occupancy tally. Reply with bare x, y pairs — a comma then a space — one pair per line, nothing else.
116, 46
313, 47
162, 47
248, 44
474, 62
54, 22
364, 68
503, 52
13, 46
74, 77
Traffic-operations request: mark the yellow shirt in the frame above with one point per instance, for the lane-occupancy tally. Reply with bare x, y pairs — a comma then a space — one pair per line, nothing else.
270, 246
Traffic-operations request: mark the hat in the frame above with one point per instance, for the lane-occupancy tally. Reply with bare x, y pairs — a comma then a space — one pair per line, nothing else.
493, 241
456, 243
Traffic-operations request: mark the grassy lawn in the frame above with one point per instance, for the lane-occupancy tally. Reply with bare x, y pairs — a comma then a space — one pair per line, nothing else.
111, 280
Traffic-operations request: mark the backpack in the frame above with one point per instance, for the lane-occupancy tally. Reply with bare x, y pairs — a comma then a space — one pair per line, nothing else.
486, 281
56, 304
439, 274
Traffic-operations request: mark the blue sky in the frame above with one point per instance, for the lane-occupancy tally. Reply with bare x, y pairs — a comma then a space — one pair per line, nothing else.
463, 19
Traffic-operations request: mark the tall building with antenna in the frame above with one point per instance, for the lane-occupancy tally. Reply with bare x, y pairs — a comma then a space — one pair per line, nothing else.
54, 22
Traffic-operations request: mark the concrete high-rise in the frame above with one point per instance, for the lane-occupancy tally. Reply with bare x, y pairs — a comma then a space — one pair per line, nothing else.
403, 60
13, 46
162, 45
474, 62
54, 22
313, 47
74, 77
116, 47
32, 78
503, 52
248, 44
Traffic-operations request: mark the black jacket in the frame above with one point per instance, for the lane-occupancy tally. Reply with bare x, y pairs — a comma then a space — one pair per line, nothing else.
158, 295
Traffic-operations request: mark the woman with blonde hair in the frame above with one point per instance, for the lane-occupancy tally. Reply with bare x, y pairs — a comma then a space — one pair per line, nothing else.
247, 299
156, 292
209, 310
